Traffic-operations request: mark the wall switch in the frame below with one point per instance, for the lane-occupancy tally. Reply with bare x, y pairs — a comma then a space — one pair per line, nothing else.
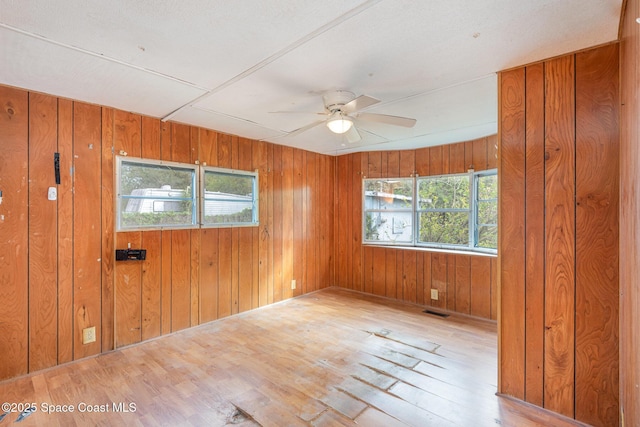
434, 294
293, 284
52, 194
89, 335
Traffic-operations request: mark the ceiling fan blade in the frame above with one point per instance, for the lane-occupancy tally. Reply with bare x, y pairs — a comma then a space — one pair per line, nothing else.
298, 112
363, 101
390, 120
353, 135
305, 128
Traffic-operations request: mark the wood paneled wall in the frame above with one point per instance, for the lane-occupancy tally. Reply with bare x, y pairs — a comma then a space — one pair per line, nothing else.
57, 268
466, 283
630, 217
559, 234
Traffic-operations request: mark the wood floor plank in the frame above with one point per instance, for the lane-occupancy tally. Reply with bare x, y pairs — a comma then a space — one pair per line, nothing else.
330, 358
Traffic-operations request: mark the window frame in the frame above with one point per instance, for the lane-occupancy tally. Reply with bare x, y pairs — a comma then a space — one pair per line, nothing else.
468, 211
255, 220
476, 202
155, 163
410, 210
472, 243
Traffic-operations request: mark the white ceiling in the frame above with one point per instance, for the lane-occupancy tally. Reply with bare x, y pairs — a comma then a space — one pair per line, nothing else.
229, 65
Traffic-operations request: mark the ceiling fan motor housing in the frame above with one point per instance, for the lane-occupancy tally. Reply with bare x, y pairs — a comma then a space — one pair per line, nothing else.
334, 101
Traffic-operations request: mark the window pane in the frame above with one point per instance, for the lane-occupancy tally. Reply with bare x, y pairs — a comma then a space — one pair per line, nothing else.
451, 228
392, 194
229, 198
488, 212
141, 177
389, 227
445, 192
155, 195
488, 236
487, 187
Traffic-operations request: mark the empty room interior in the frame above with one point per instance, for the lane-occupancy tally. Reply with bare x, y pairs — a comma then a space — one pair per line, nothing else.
336, 213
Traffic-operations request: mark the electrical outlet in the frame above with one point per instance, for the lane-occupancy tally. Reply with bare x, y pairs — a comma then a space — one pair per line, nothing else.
89, 335
293, 284
434, 294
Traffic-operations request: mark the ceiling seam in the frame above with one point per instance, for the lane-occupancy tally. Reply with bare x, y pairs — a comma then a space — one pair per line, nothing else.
100, 56
312, 35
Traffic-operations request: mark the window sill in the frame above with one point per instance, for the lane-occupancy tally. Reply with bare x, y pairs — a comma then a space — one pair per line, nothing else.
438, 250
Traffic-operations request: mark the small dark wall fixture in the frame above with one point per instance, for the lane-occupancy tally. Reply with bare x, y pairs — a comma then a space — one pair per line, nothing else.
131, 254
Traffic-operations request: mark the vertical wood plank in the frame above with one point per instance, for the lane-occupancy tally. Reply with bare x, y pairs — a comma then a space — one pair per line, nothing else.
379, 274
195, 238
43, 236
87, 152
128, 312
151, 285
261, 156
438, 279
127, 137
435, 160
420, 279
152, 241
480, 154
425, 285
407, 163
287, 221
390, 272
245, 236
629, 214
492, 151
166, 279
468, 155
559, 367
495, 276
511, 233
393, 164
422, 162
463, 284
224, 273
597, 290
451, 282
209, 259
65, 234
180, 279
375, 165
356, 221
299, 258
235, 270
14, 163
446, 158
342, 227
481, 287
278, 223
534, 232
456, 156
409, 276
367, 271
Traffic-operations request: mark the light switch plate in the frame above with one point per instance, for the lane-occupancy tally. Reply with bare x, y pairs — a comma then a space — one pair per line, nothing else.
52, 194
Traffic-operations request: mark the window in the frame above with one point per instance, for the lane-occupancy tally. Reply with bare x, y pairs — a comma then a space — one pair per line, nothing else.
229, 197
388, 210
486, 213
457, 211
155, 194
444, 210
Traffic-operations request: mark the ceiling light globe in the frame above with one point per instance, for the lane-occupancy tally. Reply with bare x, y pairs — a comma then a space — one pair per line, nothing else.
339, 123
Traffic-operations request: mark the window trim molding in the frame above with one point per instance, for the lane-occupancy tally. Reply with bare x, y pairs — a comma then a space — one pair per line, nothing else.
256, 197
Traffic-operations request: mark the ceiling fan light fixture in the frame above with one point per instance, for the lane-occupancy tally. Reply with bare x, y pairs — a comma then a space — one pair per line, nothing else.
339, 123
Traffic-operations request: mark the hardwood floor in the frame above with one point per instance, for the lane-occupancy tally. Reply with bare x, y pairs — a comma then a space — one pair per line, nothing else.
330, 358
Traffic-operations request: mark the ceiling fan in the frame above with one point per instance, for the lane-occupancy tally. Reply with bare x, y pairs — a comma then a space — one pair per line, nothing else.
342, 114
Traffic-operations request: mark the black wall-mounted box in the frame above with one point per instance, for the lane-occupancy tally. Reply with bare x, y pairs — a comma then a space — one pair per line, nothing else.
131, 254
